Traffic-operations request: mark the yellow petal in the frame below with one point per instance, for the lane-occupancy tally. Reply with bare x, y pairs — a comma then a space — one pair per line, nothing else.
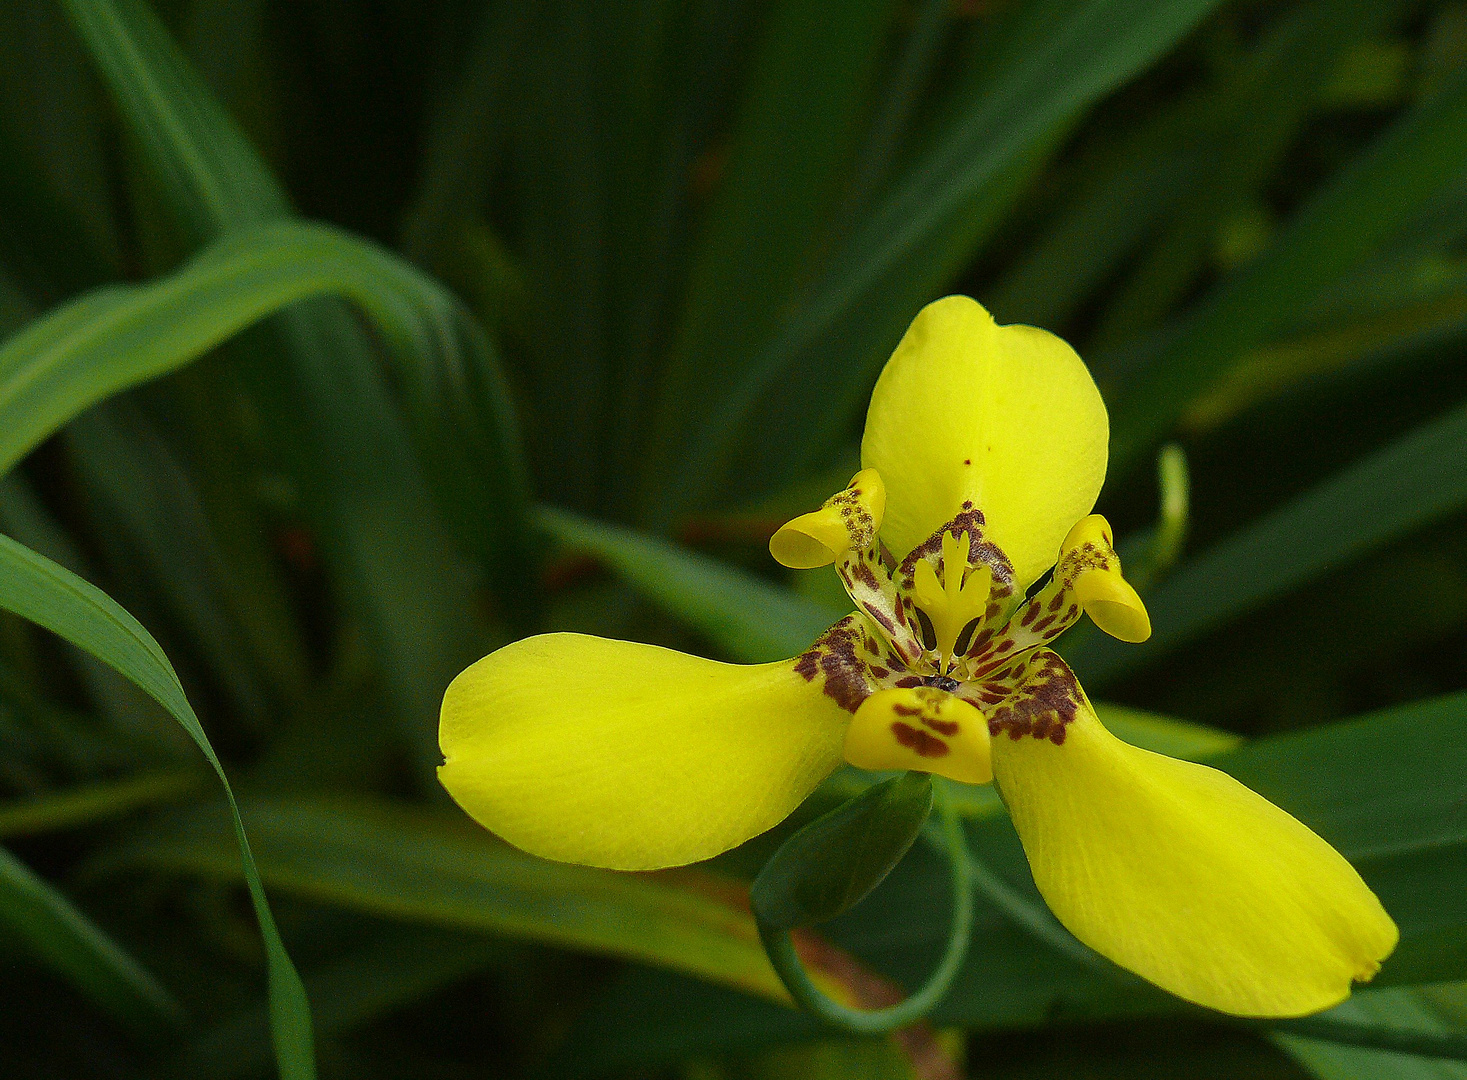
848, 520
1006, 417
630, 756
1183, 875
1090, 566
921, 728
1111, 601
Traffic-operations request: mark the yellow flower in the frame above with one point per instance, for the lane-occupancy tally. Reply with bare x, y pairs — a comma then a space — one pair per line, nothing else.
984, 451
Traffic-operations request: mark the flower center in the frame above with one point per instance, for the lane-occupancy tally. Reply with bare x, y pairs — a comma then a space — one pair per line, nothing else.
941, 630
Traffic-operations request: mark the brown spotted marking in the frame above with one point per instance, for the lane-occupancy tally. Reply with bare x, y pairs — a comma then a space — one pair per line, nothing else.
1043, 705
980, 550
860, 525
923, 744
835, 656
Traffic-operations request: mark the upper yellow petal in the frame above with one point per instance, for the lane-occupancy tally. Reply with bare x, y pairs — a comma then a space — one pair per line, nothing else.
1005, 416
630, 756
1183, 875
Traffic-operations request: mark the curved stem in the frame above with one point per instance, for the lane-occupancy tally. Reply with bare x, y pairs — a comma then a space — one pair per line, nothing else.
781, 950
1035, 919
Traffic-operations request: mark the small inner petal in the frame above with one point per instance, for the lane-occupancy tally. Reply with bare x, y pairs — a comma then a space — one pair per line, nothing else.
921, 728
848, 521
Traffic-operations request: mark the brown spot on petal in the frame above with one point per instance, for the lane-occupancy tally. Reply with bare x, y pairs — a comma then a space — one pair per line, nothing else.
834, 656
1042, 706
971, 521
923, 744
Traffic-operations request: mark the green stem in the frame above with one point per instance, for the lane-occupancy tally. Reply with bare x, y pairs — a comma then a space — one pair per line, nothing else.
1034, 919
781, 950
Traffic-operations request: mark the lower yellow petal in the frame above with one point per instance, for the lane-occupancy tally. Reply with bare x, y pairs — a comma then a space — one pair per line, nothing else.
629, 756
1183, 875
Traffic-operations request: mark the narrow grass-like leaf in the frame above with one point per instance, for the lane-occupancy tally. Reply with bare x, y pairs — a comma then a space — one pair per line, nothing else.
1344, 223
128, 712
1409, 483
118, 336
1436, 1010
795, 137
1070, 63
37, 589
71, 944
212, 177
327, 411
1435, 311
1252, 120
435, 867
753, 620
132, 476
395, 968
100, 801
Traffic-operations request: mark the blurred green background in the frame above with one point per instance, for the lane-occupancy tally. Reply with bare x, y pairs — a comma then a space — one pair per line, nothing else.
342, 341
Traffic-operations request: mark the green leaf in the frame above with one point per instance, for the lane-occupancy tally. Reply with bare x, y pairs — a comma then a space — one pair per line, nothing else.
831, 863
138, 487
70, 943
1063, 60
1344, 223
211, 176
399, 965
1375, 318
100, 801
1411, 482
1432, 1010
118, 336
795, 137
1252, 119
753, 620
326, 411
437, 868
37, 589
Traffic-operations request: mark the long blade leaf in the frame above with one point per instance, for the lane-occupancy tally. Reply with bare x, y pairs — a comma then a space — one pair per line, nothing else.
434, 867
75, 946
1376, 195
37, 589
1411, 482
118, 336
